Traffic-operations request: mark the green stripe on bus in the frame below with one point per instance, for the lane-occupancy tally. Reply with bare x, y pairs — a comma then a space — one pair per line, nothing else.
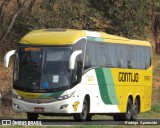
106, 86
95, 39
102, 86
57, 94
110, 85
51, 95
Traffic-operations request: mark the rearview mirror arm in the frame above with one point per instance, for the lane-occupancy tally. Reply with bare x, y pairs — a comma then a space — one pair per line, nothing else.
7, 57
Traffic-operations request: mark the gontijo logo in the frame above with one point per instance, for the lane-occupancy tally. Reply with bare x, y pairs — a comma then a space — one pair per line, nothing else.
128, 77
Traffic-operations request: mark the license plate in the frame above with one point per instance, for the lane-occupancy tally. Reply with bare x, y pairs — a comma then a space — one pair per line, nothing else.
39, 109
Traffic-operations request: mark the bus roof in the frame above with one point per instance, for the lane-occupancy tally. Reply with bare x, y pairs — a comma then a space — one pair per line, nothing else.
70, 36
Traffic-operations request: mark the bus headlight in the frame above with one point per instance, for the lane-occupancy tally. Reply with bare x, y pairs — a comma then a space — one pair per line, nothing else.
16, 96
65, 96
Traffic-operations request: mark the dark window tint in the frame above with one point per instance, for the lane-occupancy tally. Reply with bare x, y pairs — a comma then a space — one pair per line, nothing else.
99, 54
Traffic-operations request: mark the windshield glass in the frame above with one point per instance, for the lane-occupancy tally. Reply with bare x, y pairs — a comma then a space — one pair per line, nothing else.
30, 62
56, 68
42, 68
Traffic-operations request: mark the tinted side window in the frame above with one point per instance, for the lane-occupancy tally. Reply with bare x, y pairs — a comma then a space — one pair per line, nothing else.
101, 59
122, 56
140, 58
88, 54
111, 55
117, 55
147, 57
94, 55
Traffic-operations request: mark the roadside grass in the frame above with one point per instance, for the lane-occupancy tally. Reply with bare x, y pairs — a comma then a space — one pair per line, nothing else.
156, 108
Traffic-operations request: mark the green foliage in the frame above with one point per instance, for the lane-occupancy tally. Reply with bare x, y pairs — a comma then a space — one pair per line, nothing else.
128, 17
157, 5
62, 14
156, 108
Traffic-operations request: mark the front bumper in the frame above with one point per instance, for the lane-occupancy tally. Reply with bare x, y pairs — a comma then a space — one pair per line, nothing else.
66, 106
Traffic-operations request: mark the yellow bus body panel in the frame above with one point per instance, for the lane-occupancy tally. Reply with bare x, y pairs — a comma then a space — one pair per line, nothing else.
142, 88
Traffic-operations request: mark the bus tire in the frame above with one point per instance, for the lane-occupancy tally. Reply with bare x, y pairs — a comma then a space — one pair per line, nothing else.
135, 110
124, 116
127, 115
32, 116
84, 115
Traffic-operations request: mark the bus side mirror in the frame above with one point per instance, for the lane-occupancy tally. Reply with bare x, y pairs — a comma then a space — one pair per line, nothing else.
73, 59
7, 57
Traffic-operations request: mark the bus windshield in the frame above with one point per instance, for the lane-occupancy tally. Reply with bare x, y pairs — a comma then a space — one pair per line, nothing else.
45, 68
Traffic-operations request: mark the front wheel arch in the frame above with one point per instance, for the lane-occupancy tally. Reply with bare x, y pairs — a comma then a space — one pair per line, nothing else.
84, 115
126, 116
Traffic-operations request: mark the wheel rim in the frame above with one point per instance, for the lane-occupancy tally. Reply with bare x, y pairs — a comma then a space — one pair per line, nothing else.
129, 111
135, 109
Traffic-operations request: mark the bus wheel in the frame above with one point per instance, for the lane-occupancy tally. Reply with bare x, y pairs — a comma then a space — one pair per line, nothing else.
127, 115
84, 114
135, 109
32, 116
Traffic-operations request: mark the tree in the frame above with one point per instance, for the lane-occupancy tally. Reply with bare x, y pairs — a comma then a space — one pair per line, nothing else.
77, 14
156, 24
128, 17
7, 20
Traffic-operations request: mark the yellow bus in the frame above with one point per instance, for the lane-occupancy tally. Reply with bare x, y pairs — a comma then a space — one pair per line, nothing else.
81, 73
